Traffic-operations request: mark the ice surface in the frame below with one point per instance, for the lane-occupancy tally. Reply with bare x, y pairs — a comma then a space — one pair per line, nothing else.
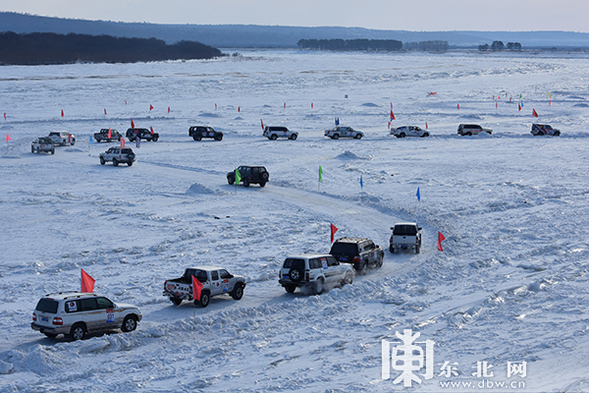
511, 284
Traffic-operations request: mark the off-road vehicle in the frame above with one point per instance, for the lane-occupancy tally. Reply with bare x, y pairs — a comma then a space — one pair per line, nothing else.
62, 138
44, 144
406, 235
314, 271
343, 132
249, 175
359, 252
199, 132
103, 135
472, 129
141, 133
544, 129
275, 132
118, 156
404, 131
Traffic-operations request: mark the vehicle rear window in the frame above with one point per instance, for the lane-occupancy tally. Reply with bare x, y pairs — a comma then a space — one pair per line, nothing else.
405, 230
200, 275
47, 305
104, 302
127, 151
344, 248
294, 263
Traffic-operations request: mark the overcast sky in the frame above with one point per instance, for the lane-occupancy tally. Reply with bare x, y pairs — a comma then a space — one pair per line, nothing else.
415, 15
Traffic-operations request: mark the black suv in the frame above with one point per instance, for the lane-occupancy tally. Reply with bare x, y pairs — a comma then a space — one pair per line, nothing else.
199, 132
359, 251
141, 133
249, 175
102, 135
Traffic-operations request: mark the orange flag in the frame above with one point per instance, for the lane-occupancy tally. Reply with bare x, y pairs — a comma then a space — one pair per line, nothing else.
7, 137
87, 282
196, 288
333, 231
534, 113
441, 238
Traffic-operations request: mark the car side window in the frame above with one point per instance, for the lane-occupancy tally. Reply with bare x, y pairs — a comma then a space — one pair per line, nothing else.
72, 306
224, 274
369, 246
314, 263
104, 303
214, 275
88, 304
331, 261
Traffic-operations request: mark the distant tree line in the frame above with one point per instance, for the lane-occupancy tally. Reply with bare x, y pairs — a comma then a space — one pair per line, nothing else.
350, 45
50, 48
433, 46
498, 45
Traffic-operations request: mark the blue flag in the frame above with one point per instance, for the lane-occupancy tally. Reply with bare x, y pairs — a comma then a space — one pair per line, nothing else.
418, 195
361, 182
337, 121
91, 139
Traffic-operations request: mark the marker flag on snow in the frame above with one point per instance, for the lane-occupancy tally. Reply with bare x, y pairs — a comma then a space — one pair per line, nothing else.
457, 106
311, 105
337, 121
91, 140
7, 137
285, 105
215, 106
123, 142
168, 109
262, 123
320, 174
196, 288
151, 129
426, 125
237, 176
441, 238
132, 124
519, 107
62, 113
239, 109
150, 107
87, 282
104, 111
4, 115
534, 113
333, 231
361, 182
418, 195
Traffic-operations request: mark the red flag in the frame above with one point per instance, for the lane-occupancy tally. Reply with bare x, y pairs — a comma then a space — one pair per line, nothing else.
150, 107
239, 109
457, 106
104, 111
261, 122
426, 125
196, 288
151, 128
441, 238
87, 282
215, 106
311, 105
534, 113
62, 113
549, 102
333, 231
168, 109
495, 105
132, 124
519, 106
4, 115
125, 102
389, 125
285, 105
392, 115
122, 143
7, 137
109, 133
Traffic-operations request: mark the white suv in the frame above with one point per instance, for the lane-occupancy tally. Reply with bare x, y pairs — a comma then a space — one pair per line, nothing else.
76, 314
402, 132
62, 138
274, 133
343, 132
314, 271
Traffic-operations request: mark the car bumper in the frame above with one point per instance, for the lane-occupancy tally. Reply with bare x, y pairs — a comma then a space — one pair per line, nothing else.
50, 330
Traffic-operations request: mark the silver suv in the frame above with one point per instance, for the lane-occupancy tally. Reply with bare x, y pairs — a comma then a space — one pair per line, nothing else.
62, 138
274, 133
75, 314
472, 129
314, 271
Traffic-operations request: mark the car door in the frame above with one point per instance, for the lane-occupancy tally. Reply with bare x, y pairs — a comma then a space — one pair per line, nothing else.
94, 318
227, 281
112, 315
216, 283
335, 269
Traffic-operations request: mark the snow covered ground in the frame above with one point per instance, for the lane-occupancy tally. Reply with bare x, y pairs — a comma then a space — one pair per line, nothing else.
510, 285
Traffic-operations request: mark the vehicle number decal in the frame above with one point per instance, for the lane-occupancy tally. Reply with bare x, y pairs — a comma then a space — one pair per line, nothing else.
324, 263
226, 286
72, 306
110, 315
44, 319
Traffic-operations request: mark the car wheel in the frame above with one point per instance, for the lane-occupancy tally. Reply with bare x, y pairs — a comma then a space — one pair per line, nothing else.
557, 133
102, 162
417, 249
273, 137
348, 279
115, 162
50, 335
219, 137
129, 323
32, 149
204, 299
290, 288
295, 274
52, 151
358, 136
198, 137
262, 183
78, 332
176, 300
130, 163
246, 183
468, 133
379, 261
392, 249
230, 181
293, 137
237, 292
318, 290
155, 138
425, 135
363, 269
73, 141
402, 135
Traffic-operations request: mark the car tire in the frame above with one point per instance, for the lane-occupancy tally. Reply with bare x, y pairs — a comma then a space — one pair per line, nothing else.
129, 323
102, 162
425, 135
219, 137
348, 279
363, 269
417, 249
556, 133
115, 162
290, 288
246, 183
198, 137
318, 286
78, 332
176, 300
402, 135
237, 293
273, 137
262, 183
155, 138
379, 261
73, 142
32, 149
358, 136
50, 335
52, 151
468, 133
295, 274
293, 137
130, 163
205, 298
392, 249
230, 181
335, 136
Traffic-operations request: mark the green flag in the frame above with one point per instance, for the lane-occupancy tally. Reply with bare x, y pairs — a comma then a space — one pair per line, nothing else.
237, 176
320, 174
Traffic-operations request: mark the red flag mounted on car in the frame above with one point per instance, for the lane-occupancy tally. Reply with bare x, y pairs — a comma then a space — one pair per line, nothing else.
196, 288
132, 124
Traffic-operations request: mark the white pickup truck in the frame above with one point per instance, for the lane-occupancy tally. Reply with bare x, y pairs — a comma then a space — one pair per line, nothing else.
405, 235
215, 281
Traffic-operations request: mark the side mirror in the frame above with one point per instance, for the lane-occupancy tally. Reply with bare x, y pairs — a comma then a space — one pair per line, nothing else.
419, 228
392, 228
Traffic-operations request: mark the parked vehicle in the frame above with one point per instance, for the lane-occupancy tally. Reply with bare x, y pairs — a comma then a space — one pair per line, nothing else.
43, 144
343, 132
402, 132
406, 235
141, 133
472, 129
250, 175
199, 132
103, 135
215, 281
359, 252
314, 271
274, 133
544, 129
118, 156
62, 138
76, 314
